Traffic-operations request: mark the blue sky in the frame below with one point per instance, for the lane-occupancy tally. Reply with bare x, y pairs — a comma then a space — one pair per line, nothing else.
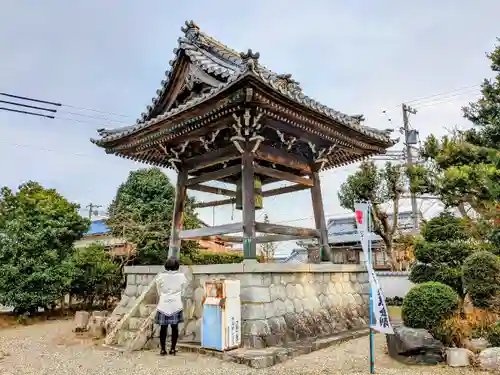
355, 56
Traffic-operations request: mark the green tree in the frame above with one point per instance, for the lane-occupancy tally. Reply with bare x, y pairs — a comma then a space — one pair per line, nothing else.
38, 227
267, 250
141, 212
379, 186
95, 277
442, 252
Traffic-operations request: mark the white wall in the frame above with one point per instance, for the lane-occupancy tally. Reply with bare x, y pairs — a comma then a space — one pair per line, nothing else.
394, 284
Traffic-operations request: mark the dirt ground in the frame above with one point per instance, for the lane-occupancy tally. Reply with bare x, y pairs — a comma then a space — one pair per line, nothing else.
52, 348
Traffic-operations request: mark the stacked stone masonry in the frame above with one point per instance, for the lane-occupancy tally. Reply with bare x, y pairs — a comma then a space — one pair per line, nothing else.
280, 303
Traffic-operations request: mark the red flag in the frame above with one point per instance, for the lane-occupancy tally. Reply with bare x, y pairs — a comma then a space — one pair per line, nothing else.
359, 217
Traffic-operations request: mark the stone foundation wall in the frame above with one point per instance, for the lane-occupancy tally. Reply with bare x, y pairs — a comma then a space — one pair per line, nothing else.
279, 302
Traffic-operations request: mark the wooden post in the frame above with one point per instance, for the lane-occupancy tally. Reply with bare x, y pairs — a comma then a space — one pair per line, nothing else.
248, 198
178, 214
319, 217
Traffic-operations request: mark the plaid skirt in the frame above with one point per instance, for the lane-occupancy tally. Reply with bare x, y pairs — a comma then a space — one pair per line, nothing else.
163, 319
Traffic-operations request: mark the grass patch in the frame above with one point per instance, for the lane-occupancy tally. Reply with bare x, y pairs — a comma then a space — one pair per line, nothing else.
394, 312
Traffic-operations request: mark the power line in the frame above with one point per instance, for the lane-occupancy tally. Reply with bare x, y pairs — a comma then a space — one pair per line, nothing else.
441, 94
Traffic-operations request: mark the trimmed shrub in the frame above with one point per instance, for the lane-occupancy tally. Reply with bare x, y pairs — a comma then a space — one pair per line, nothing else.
427, 305
422, 273
494, 335
450, 253
481, 277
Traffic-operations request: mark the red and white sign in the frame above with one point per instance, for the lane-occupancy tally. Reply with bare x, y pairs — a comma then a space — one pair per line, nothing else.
381, 322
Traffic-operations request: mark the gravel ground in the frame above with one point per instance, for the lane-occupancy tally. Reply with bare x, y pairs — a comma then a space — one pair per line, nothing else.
51, 348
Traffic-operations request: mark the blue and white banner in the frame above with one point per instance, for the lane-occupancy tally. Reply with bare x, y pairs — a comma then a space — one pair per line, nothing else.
380, 321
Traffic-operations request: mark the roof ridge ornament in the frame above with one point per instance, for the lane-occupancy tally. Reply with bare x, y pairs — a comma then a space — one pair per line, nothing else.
191, 30
250, 59
286, 82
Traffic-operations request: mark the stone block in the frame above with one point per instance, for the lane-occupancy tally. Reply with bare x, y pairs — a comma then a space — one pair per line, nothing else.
289, 306
253, 311
290, 290
269, 311
255, 279
199, 293
256, 328
299, 291
298, 306
277, 291
97, 326
279, 308
131, 290
254, 342
81, 321
131, 279
489, 359
458, 357
255, 294
192, 331
362, 277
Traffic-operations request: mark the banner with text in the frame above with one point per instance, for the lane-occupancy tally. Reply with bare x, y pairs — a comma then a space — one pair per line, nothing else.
381, 321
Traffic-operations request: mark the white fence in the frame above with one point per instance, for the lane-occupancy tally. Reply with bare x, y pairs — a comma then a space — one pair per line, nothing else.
394, 284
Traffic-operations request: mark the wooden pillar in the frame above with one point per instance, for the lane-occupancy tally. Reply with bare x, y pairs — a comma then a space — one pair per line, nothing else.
178, 214
319, 217
248, 198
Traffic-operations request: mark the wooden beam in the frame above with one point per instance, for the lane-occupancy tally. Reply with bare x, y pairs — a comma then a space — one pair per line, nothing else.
286, 230
174, 247
222, 202
193, 234
213, 190
275, 238
208, 159
229, 239
284, 190
280, 175
216, 175
248, 200
319, 217
279, 156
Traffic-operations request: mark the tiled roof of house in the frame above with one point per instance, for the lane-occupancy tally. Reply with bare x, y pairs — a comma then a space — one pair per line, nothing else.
229, 67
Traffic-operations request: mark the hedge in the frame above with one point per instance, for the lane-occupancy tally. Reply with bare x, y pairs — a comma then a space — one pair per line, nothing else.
209, 257
427, 305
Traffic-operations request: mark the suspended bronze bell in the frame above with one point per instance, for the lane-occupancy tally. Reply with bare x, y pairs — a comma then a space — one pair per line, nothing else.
258, 199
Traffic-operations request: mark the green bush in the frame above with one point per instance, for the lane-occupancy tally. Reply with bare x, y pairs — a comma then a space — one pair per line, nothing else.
208, 257
451, 276
494, 335
450, 253
95, 276
481, 277
427, 305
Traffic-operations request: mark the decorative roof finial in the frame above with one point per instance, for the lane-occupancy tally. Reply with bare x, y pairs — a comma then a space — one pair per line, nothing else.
286, 82
191, 30
250, 59
358, 118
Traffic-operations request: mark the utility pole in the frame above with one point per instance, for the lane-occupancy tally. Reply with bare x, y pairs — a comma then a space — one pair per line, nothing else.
92, 209
410, 139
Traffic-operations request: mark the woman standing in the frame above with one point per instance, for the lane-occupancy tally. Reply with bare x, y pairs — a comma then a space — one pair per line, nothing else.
169, 309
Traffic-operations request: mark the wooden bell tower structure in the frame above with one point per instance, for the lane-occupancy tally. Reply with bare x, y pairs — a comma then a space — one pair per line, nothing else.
222, 116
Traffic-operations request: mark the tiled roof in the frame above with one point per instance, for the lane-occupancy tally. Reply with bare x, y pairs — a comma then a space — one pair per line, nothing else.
229, 67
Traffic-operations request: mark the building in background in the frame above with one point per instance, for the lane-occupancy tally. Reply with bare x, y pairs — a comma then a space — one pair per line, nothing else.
344, 242
99, 233
344, 239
